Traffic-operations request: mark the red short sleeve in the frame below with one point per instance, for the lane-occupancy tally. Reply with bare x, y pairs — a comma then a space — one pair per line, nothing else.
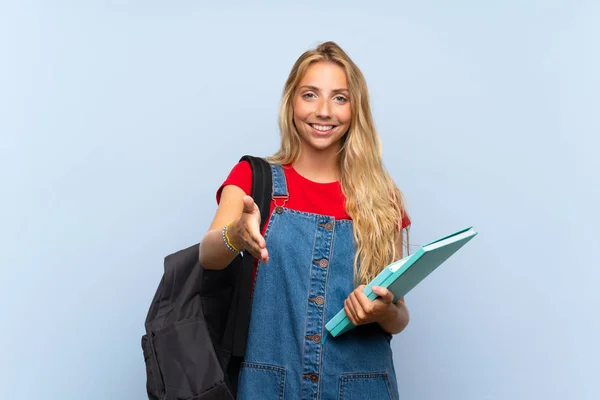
405, 221
240, 176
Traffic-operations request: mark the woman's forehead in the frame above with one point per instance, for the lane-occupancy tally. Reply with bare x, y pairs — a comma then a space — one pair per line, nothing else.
325, 76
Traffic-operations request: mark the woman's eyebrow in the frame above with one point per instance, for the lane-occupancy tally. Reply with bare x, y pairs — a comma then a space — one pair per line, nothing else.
316, 89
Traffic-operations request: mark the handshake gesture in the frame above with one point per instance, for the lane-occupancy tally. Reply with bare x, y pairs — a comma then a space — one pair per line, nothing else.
245, 233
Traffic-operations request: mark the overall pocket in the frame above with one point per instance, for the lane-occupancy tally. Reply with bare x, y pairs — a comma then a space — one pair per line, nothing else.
261, 381
365, 386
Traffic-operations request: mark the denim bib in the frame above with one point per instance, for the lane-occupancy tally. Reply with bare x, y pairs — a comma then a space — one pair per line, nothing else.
304, 284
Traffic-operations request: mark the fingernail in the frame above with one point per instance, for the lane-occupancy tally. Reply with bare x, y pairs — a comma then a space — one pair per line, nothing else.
376, 288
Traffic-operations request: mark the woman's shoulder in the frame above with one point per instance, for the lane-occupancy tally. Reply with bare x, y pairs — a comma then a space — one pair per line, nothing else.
240, 176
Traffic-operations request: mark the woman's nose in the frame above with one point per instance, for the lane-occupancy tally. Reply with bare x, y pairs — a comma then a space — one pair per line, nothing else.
323, 110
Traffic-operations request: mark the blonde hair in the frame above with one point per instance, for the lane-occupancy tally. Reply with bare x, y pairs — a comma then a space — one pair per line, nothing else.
373, 200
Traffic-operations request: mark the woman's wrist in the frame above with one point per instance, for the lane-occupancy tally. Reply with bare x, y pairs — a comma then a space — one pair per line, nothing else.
234, 235
397, 319
392, 313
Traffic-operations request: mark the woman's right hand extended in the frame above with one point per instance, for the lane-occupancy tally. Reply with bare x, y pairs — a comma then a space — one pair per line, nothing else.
245, 234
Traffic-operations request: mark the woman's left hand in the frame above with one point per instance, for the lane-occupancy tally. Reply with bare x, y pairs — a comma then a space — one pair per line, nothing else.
362, 310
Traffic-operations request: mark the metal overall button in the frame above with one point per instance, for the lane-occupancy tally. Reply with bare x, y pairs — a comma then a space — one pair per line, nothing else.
315, 338
328, 226
279, 207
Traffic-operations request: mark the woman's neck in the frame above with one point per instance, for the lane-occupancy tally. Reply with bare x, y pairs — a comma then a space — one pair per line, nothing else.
319, 166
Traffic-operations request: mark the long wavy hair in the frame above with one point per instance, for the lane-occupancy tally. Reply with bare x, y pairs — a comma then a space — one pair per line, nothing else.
373, 200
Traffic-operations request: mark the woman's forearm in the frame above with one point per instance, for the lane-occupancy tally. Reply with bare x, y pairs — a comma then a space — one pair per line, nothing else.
398, 322
214, 253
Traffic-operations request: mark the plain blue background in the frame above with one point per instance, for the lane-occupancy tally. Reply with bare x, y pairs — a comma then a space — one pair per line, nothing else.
118, 121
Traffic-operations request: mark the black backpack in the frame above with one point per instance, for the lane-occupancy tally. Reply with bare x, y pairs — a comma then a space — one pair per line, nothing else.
197, 324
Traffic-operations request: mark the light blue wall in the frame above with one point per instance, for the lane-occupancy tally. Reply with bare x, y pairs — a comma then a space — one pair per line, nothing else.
118, 120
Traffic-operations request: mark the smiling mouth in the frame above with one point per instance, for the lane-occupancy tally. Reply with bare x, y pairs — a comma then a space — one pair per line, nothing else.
322, 128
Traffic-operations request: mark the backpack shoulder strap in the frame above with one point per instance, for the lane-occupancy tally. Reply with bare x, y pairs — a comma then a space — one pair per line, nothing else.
262, 189
262, 185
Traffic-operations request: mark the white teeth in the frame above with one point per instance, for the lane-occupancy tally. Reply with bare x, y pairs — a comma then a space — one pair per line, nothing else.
322, 127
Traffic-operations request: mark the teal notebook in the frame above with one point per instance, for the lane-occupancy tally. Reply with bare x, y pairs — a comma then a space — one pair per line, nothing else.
403, 275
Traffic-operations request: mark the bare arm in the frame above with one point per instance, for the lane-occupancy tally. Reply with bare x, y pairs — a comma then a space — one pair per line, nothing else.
393, 318
398, 322
398, 319
243, 215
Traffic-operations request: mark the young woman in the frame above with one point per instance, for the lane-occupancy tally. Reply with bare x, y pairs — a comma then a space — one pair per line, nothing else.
337, 219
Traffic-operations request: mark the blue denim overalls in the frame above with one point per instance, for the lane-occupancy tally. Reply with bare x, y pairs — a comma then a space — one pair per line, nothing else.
304, 284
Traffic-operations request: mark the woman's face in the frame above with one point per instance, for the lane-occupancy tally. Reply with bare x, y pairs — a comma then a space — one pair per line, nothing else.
321, 105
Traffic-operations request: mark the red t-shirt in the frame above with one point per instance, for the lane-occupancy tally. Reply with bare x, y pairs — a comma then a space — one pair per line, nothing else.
304, 195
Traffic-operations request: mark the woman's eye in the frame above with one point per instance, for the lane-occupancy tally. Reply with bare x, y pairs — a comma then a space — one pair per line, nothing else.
341, 99
308, 95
